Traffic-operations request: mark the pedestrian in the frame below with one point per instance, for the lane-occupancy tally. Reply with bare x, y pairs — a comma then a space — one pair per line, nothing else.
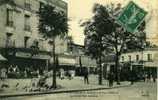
154, 78
3, 73
10, 69
25, 73
132, 76
86, 79
69, 75
61, 74
111, 78
143, 77
146, 77
42, 81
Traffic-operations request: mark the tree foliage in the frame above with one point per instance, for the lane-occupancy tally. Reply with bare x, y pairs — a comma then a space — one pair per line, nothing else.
104, 35
103, 32
52, 22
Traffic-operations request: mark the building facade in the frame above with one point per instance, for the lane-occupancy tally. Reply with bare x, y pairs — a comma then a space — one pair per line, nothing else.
141, 62
20, 41
82, 61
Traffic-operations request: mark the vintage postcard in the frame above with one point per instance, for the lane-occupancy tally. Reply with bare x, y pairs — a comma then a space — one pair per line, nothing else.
78, 49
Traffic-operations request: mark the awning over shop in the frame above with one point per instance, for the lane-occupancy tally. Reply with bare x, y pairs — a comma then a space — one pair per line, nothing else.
2, 58
66, 61
28, 55
23, 54
86, 62
42, 57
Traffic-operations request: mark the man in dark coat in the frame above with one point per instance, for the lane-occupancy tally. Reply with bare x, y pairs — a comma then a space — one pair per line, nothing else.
86, 80
111, 79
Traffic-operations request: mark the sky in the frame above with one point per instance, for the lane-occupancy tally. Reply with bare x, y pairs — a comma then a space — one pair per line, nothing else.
65, 0
81, 10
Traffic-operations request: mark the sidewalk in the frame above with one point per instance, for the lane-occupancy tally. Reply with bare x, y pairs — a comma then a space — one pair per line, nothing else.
18, 87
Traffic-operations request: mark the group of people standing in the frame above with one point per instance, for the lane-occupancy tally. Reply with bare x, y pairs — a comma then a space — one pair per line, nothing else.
4, 71
70, 74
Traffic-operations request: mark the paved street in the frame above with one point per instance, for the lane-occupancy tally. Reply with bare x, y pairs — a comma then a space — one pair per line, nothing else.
139, 91
65, 84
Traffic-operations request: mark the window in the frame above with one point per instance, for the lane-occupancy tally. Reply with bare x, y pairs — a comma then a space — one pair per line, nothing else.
36, 44
149, 57
137, 57
26, 41
9, 41
27, 23
27, 4
41, 5
9, 18
129, 57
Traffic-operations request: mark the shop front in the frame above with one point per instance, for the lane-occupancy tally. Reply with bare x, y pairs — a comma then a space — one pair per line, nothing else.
65, 64
25, 63
85, 63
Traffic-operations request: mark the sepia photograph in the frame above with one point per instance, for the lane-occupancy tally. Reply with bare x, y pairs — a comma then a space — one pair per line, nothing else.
78, 49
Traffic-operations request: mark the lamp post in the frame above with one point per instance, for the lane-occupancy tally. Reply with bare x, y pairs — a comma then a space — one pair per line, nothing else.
143, 47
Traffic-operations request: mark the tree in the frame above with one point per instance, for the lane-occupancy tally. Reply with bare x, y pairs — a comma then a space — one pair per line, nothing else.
103, 34
52, 23
94, 35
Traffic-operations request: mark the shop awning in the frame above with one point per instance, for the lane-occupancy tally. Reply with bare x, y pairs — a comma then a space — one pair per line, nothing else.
86, 62
66, 61
2, 58
42, 57
28, 55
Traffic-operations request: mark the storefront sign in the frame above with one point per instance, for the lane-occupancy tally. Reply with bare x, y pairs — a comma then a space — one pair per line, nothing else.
66, 61
41, 56
23, 54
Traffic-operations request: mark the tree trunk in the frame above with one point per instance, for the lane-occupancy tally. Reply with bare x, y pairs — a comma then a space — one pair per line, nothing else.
80, 63
100, 71
54, 66
117, 69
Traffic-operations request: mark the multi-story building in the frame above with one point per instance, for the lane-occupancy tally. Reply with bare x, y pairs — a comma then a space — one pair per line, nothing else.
142, 62
20, 41
145, 61
82, 61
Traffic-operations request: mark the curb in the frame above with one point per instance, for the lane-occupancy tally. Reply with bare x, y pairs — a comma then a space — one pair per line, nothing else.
59, 91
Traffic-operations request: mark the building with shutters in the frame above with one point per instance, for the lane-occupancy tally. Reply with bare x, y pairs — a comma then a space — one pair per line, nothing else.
141, 62
20, 41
